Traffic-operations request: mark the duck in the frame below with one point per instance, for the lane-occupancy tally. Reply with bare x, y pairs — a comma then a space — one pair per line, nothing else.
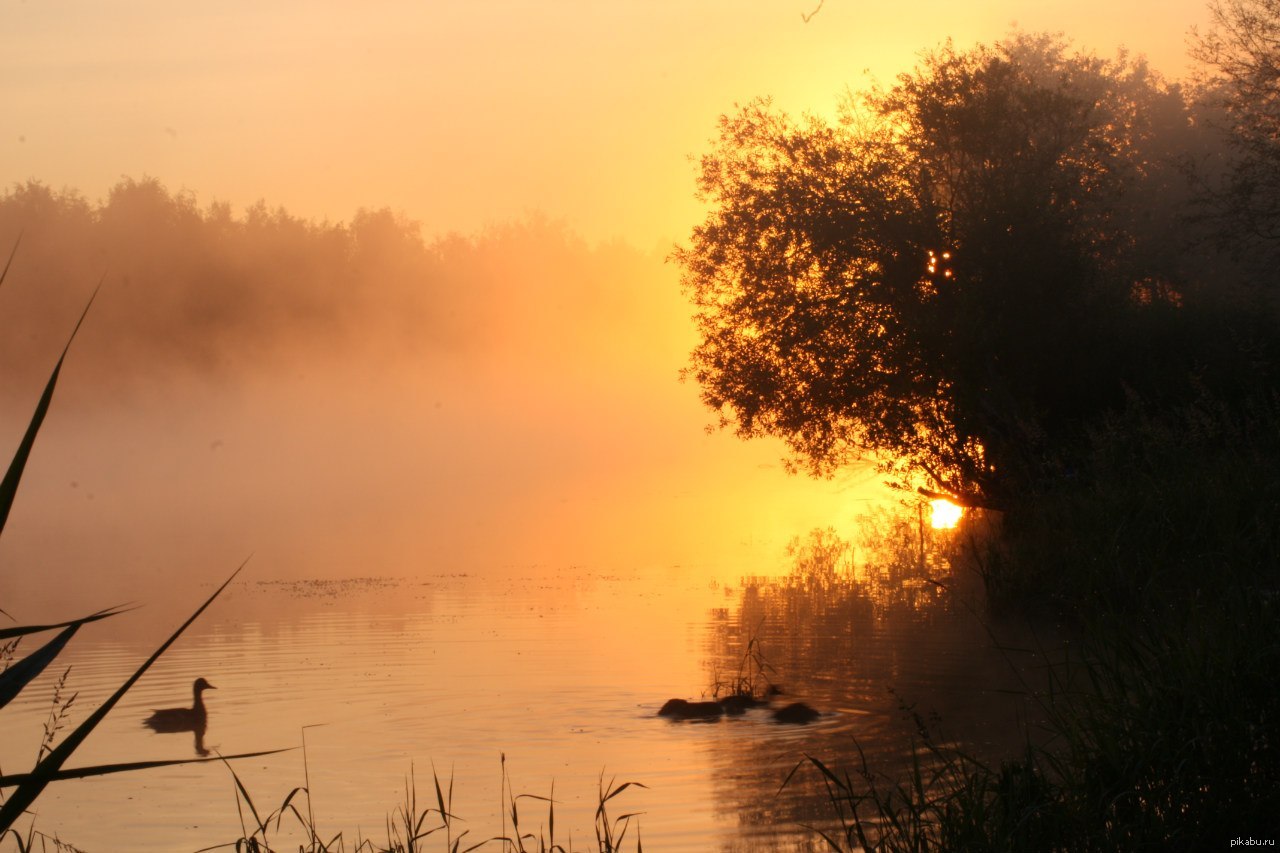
682, 709
193, 719
797, 713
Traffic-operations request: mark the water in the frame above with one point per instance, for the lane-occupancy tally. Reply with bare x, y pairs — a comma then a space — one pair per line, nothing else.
553, 673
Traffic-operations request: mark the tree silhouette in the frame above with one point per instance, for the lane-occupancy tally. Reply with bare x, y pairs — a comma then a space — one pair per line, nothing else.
957, 276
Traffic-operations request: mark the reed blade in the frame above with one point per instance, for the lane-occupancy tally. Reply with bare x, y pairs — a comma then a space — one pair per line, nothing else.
244, 793
125, 767
25, 794
21, 630
444, 813
9, 485
14, 251
20, 674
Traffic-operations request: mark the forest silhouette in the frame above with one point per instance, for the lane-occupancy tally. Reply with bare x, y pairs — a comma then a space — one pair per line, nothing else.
200, 291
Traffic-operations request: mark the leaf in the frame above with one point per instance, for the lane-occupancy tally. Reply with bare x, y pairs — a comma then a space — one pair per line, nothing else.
626, 785
244, 793
25, 794
20, 674
20, 630
105, 769
9, 486
9, 263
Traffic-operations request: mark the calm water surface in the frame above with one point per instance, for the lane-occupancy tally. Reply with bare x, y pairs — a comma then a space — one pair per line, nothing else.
561, 671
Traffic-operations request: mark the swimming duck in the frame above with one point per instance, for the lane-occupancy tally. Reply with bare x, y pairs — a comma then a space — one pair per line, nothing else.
183, 719
682, 709
797, 713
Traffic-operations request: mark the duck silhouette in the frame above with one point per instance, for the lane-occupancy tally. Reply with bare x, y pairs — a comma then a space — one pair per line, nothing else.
194, 719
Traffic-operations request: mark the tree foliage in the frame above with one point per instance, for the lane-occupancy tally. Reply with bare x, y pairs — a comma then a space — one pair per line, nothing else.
1241, 57
960, 274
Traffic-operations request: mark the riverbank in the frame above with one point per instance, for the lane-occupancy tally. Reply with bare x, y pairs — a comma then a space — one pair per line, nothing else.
1160, 723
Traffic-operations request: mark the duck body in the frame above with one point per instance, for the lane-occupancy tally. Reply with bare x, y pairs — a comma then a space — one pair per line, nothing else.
797, 713
193, 719
682, 709
736, 704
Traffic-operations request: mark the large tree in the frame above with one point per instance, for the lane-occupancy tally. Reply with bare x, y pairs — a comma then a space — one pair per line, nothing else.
951, 276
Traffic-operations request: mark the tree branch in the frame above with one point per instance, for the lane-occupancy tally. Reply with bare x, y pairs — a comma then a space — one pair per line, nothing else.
809, 16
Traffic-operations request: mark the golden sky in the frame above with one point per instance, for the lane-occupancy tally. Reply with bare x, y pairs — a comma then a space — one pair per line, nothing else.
460, 113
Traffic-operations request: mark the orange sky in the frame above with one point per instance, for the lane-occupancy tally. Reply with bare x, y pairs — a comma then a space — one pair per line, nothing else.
461, 113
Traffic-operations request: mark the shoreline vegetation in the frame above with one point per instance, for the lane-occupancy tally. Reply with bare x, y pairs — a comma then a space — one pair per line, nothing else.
411, 828
1158, 722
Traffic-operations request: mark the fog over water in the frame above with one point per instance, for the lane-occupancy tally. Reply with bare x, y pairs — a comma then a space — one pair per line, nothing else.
509, 402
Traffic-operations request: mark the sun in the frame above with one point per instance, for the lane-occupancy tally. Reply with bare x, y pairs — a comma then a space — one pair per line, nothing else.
945, 514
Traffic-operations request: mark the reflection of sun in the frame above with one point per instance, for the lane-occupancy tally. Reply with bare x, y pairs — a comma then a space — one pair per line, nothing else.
945, 514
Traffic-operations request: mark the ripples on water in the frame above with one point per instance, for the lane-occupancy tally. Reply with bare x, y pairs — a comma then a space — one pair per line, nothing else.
562, 672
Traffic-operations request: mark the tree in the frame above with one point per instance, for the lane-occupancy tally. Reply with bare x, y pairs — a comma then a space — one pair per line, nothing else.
1241, 77
946, 278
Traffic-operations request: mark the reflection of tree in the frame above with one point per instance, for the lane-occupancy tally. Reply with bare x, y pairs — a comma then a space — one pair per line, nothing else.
896, 562
865, 628
832, 603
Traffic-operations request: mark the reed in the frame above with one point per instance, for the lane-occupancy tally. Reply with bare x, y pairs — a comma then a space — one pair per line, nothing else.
411, 828
59, 709
753, 680
38, 842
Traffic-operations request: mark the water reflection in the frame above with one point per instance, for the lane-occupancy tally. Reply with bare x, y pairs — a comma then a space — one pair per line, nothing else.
544, 665
194, 719
880, 633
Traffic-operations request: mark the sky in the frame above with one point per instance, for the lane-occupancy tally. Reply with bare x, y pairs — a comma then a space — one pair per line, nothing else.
460, 113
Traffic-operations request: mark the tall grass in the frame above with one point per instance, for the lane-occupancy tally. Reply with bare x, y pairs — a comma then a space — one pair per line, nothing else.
414, 828
1153, 739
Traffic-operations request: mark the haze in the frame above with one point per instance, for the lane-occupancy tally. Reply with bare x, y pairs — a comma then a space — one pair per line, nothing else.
522, 407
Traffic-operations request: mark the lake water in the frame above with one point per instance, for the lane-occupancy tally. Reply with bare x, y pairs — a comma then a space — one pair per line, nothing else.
553, 674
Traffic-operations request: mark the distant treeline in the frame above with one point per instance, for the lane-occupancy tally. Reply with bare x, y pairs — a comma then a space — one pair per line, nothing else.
190, 287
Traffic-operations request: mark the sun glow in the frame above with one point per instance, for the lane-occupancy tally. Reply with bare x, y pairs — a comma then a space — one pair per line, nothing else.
945, 514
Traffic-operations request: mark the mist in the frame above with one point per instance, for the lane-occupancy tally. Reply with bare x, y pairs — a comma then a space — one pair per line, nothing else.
353, 399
